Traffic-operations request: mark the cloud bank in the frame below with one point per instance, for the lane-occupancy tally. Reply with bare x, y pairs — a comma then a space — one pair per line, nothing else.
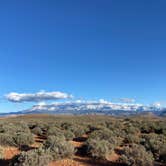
36, 97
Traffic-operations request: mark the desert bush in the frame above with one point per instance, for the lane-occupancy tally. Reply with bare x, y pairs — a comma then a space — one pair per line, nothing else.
92, 128
129, 129
132, 138
21, 138
19, 127
32, 124
164, 132
6, 139
55, 131
37, 130
156, 144
74, 128
136, 155
79, 131
58, 147
104, 129
16, 139
119, 132
69, 135
148, 127
43, 125
160, 127
105, 134
101, 134
8, 128
22, 127
101, 143
1, 128
66, 125
37, 157
114, 125
98, 149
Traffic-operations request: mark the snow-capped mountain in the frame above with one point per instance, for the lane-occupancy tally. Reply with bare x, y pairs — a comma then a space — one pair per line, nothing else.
90, 107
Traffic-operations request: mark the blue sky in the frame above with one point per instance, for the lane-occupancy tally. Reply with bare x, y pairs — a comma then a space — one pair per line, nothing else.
105, 49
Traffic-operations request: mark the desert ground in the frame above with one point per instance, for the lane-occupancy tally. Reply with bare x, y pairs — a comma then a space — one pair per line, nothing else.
87, 140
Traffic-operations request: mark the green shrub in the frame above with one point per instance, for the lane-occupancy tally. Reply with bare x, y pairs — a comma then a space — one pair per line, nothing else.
15, 127
58, 147
68, 135
37, 130
114, 125
55, 132
37, 157
66, 126
156, 144
43, 125
98, 149
74, 128
6, 139
132, 138
79, 131
16, 139
136, 155
129, 129
148, 127
23, 139
22, 127
8, 128
92, 127
105, 134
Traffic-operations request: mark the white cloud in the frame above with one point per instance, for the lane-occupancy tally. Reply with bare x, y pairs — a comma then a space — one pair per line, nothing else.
158, 104
36, 97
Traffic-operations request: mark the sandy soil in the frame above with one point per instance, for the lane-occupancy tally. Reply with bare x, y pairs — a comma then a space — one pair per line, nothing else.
10, 152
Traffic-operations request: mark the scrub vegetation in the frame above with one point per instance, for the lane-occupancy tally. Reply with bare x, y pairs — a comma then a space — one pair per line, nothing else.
41, 140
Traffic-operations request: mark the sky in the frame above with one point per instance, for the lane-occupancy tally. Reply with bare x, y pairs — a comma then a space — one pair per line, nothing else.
102, 49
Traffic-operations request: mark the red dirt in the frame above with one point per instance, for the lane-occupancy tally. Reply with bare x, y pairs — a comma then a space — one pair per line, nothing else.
113, 157
10, 152
66, 162
85, 136
79, 161
77, 144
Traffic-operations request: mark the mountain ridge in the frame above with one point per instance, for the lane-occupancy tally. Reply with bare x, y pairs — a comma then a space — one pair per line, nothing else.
79, 108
